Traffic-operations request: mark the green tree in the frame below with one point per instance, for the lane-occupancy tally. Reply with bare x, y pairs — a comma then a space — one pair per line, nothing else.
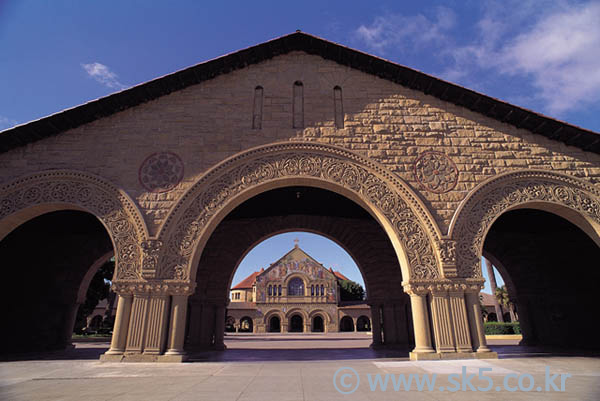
505, 300
484, 312
99, 289
351, 291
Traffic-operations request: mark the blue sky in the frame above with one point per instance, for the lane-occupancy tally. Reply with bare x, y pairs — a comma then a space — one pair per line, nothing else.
543, 55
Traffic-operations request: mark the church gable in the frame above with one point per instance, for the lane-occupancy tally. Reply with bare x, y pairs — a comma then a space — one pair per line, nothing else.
295, 261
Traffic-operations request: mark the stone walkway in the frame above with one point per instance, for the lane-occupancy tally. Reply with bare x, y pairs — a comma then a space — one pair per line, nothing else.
77, 375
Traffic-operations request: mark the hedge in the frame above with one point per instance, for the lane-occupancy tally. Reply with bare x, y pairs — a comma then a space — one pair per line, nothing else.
502, 328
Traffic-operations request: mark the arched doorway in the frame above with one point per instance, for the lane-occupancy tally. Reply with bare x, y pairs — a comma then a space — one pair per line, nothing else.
274, 324
246, 325
544, 261
318, 326
296, 324
363, 324
57, 253
310, 209
346, 324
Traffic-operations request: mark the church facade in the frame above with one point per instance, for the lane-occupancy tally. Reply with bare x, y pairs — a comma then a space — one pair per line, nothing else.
295, 294
415, 177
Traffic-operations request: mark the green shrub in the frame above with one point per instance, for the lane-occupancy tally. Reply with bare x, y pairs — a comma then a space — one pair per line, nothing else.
502, 328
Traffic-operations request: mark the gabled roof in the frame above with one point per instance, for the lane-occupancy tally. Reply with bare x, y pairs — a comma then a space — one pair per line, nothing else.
339, 275
299, 41
296, 253
248, 282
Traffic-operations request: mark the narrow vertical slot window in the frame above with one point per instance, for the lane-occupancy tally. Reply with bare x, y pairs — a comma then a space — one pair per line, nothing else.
258, 107
298, 105
338, 107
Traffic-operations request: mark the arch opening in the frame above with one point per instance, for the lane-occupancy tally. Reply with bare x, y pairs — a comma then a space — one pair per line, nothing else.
547, 263
274, 324
52, 258
292, 209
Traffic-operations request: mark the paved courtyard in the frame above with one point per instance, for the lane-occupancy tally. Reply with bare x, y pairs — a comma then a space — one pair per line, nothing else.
265, 368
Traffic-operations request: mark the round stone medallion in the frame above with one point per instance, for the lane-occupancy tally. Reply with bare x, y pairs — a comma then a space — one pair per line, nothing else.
436, 172
161, 172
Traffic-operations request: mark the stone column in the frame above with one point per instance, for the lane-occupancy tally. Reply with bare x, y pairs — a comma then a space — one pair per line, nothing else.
156, 326
476, 321
137, 323
442, 325
195, 328
525, 321
460, 322
177, 325
70, 317
493, 286
376, 325
119, 337
389, 324
420, 315
220, 327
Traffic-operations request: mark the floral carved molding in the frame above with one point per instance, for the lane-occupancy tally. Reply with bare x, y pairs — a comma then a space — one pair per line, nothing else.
91, 193
508, 191
187, 222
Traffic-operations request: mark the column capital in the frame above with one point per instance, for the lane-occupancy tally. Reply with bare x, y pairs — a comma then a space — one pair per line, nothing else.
157, 288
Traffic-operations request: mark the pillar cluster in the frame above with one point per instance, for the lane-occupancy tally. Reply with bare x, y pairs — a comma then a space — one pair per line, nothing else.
150, 323
447, 321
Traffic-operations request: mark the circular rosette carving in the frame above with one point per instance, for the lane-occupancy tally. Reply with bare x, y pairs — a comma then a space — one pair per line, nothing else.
436, 172
161, 172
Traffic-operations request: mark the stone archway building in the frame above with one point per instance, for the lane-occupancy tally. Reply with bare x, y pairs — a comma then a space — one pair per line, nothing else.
295, 284
416, 177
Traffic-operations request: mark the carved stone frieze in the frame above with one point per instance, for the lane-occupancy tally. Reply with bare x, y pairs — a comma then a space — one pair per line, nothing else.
151, 250
153, 288
508, 191
115, 210
186, 224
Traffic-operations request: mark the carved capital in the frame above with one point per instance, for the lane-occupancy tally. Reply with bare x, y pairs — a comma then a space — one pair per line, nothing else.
151, 249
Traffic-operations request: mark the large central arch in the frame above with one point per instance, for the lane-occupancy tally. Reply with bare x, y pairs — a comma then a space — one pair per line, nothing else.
388, 199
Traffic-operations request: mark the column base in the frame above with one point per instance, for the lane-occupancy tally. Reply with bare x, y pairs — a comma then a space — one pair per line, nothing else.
437, 356
376, 346
143, 358
114, 352
221, 347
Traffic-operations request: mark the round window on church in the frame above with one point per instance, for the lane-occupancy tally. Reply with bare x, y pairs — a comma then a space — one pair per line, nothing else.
296, 287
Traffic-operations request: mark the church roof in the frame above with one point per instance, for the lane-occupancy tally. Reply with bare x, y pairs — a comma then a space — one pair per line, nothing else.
338, 274
299, 41
295, 254
247, 283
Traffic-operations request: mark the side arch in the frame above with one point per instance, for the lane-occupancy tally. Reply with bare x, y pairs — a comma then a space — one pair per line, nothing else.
568, 197
388, 199
36, 194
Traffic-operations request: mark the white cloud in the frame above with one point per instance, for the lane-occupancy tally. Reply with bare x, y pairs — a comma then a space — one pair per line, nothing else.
402, 32
552, 44
103, 74
562, 55
6, 123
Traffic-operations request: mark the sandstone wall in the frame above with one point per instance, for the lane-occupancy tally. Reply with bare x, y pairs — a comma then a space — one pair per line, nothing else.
206, 123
